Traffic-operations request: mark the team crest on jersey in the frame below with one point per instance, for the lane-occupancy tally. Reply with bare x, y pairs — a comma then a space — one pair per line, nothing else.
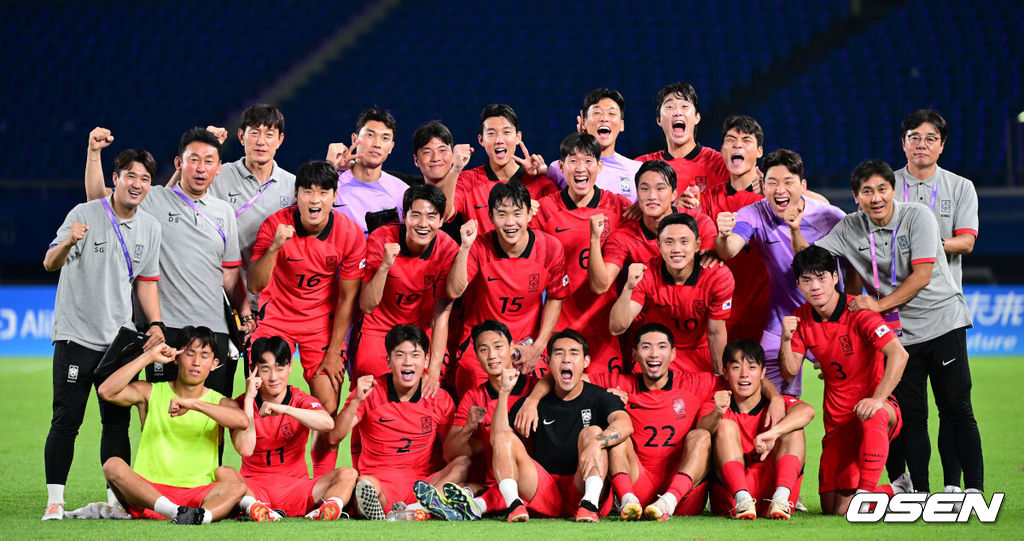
904, 243
845, 344
586, 416
428, 280
679, 406
700, 306
332, 261
946, 207
426, 424
137, 252
881, 330
287, 431
284, 201
625, 185
534, 283
701, 182
220, 223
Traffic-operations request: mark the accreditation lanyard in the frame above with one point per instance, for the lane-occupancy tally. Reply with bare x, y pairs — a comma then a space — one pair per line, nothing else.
252, 200
188, 201
891, 318
935, 192
120, 238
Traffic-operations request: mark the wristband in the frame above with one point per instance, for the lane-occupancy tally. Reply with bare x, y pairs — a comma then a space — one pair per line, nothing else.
163, 328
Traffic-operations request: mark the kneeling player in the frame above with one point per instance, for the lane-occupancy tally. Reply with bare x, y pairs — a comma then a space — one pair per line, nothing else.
273, 447
554, 478
395, 428
862, 362
741, 444
176, 466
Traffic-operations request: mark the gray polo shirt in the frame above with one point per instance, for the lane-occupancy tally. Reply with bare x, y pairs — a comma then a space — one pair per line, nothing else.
192, 257
955, 206
94, 296
939, 307
236, 185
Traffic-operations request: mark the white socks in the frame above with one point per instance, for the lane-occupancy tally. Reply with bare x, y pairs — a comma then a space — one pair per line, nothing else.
54, 494
781, 493
592, 489
165, 507
509, 489
207, 516
742, 496
245, 503
482, 504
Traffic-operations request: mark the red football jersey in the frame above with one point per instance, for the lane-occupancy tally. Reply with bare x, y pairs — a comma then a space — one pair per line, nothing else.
396, 435
304, 285
686, 308
474, 187
849, 347
413, 282
662, 417
486, 397
280, 439
558, 215
750, 314
632, 242
703, 167
751, 423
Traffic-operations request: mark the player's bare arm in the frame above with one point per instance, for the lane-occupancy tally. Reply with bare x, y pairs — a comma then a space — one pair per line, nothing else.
99, 138
431, 381
620, 428
789, 362
121, 390
717, 337
244, 440
920, 276
710, 421
458, 277
459, 441
148, 294
526, 418
959, 244
895, 362
226, 412
460, 157
318, 420
793, 216
260, 271
57, 255
373, 291
727, 243
348, 417
529, 355
601, 275
499, 418
798, 416
625, 309
332, 365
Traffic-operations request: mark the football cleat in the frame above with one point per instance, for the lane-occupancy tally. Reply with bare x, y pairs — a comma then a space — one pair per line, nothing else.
461, 498
779, 509
745, 510
329, 510
190, 516
587, 512
261, 512
631, 509
660, 510
431, 500
367, 502
54, 511
902, 484
517, 512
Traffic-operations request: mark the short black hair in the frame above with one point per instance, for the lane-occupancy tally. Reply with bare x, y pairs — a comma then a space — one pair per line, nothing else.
128, 156
786, 158
427, 192
747, 349
584, 143
679, 218
869, 168
743, 124
428, 131
400, 334
571, 334
684, 89
599, 94
262, 114
380, 115
931, 116
275, 345
512, 191
198, 135
813, 260
658, 166
652, 327
201, 334
499, 109
316, 173
490, 325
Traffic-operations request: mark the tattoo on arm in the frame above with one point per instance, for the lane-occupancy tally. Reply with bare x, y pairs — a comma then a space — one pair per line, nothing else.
607, 440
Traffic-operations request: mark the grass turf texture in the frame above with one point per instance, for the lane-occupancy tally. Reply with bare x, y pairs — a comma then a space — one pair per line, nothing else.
26, 389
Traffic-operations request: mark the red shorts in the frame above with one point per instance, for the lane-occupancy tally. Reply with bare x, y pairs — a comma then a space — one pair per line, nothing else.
840, 453
558, 497
189, 497
761, 485
370, 356
292, 495
692, 360
312, 339
649, 484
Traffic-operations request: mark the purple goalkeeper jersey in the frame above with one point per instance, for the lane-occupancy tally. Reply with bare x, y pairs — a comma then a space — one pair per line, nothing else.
356, 198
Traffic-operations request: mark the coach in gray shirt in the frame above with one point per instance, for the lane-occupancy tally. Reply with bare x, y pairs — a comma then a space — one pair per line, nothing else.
951, 198
896, 249
103, 249
199, 256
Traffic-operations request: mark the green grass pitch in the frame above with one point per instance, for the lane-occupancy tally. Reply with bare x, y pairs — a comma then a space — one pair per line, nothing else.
25, 411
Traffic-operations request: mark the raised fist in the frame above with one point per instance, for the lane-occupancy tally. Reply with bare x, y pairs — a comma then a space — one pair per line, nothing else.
391, 250
726, 222
722, 401
283, 233
78, 231
468, 233
220, 133
597, 222
460, 156
635, 274
364, 385
789, 325
99, 139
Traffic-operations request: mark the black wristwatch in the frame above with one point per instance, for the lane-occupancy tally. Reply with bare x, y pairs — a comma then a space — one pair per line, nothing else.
163, 328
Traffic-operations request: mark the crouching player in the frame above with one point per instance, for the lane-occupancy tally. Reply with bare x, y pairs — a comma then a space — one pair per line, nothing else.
862, 361
395, 428
753, 461
273, 446
176, 471
555, 478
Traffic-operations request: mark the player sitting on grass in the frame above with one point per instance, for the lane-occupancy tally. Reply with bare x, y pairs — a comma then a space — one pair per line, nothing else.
555, 478
273, 446
395, 427
861, 361
752, 461
176, 473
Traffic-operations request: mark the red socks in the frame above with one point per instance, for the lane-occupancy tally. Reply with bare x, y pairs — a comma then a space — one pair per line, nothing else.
622, 484
680, 486
734, 476
874, 449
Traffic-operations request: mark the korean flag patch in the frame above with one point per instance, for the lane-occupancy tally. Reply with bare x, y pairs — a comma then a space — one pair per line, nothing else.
565, 280
881, 330
727, 304
362, 263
